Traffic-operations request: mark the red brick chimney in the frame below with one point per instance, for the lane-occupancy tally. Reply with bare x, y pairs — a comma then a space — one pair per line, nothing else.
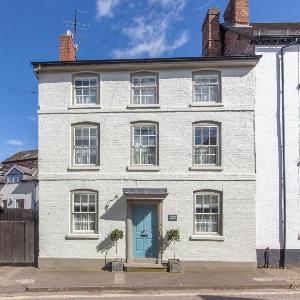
67, 47
237, 13
211, 39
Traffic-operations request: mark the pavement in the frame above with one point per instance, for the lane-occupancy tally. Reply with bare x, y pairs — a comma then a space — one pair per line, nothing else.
33, 280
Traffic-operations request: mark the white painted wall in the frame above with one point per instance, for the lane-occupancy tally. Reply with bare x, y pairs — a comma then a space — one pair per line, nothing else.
267, 120
23, 190
175, 118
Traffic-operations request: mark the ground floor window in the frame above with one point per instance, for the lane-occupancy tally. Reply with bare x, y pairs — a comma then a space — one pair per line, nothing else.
84, 212
20, 203
207, 213
4, 203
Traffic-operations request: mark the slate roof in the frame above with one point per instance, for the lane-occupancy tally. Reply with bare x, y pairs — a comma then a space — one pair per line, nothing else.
267, 33
23, 155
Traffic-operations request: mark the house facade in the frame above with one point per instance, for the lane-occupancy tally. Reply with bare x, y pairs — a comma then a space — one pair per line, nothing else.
18, 181
145, 146
276, 123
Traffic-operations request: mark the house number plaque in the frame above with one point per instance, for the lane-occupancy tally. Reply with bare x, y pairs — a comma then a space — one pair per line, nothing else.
172, 217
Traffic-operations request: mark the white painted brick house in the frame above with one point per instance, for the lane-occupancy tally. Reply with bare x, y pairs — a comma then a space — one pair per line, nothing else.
132, 144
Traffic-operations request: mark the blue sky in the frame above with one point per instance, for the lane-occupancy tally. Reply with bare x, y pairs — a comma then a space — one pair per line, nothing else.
29, 31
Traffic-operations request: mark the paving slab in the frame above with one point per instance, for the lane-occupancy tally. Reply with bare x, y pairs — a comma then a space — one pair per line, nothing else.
39, 280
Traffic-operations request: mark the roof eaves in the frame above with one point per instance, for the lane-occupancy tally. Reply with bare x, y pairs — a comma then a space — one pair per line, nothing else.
146, 61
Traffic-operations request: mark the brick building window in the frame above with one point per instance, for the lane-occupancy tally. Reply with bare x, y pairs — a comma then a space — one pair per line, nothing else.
84, 212
144, 89
207, 86
206, 144
86, 144
144, 144
86, 90
207, 216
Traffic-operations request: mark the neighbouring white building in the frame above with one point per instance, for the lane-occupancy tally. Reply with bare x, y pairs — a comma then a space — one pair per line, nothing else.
18, 181
277, 140
146, 145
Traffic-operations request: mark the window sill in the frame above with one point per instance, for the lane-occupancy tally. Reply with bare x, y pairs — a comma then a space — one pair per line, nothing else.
143, 168
204, 104
85, 106
84, 168
207, 238
83, 236
142, 106
206, 168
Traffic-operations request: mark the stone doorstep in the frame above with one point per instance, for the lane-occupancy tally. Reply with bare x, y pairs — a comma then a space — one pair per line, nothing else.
144, 267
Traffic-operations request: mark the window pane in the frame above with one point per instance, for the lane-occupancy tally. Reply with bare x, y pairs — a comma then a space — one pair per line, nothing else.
137, 140
206, 88
207, 217
213, 135
136, 81
136, 156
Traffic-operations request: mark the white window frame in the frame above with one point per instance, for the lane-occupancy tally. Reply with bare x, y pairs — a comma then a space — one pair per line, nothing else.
205, 75
89, 126
73, 213
140, 77
86, 77
142, 124
218, 147
219, 214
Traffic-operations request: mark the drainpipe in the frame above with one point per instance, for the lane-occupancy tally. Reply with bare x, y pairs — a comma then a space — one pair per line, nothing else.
283, 250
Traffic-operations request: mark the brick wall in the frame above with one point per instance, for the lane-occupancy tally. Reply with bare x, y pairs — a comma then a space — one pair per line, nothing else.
237, 12
211, 39
235, 44
67, 48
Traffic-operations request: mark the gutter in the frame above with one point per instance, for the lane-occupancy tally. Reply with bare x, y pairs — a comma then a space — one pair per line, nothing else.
36, 71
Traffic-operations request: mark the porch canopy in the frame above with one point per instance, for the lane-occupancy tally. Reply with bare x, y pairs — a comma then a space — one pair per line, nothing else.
145, 193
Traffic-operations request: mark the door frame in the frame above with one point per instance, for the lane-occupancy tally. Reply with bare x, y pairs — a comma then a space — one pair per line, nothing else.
158, 203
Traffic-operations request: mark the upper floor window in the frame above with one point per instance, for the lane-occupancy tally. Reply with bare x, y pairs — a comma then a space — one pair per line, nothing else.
84, 212
144, 89
86, 144
14, 178
207, 213
144, 144
86, 90
206, 144
207, 87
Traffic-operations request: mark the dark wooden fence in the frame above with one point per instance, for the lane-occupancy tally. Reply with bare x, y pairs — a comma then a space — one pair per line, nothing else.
18, 236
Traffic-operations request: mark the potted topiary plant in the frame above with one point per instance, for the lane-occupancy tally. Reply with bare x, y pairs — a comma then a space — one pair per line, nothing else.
115, 235
173, 236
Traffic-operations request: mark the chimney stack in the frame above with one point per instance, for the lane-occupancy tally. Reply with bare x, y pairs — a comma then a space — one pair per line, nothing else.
211, 39
67, 47
237, 13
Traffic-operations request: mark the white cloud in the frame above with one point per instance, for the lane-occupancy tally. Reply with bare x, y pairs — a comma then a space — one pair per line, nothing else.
13, 142
149, 35
105, 8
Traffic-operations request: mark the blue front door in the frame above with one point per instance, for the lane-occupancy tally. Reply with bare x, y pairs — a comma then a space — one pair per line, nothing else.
144, 231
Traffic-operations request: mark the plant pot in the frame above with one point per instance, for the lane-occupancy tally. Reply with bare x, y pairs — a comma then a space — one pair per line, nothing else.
117, 266
174, 266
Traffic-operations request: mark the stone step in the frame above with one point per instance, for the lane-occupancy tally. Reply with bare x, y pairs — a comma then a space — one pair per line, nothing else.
144, 267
